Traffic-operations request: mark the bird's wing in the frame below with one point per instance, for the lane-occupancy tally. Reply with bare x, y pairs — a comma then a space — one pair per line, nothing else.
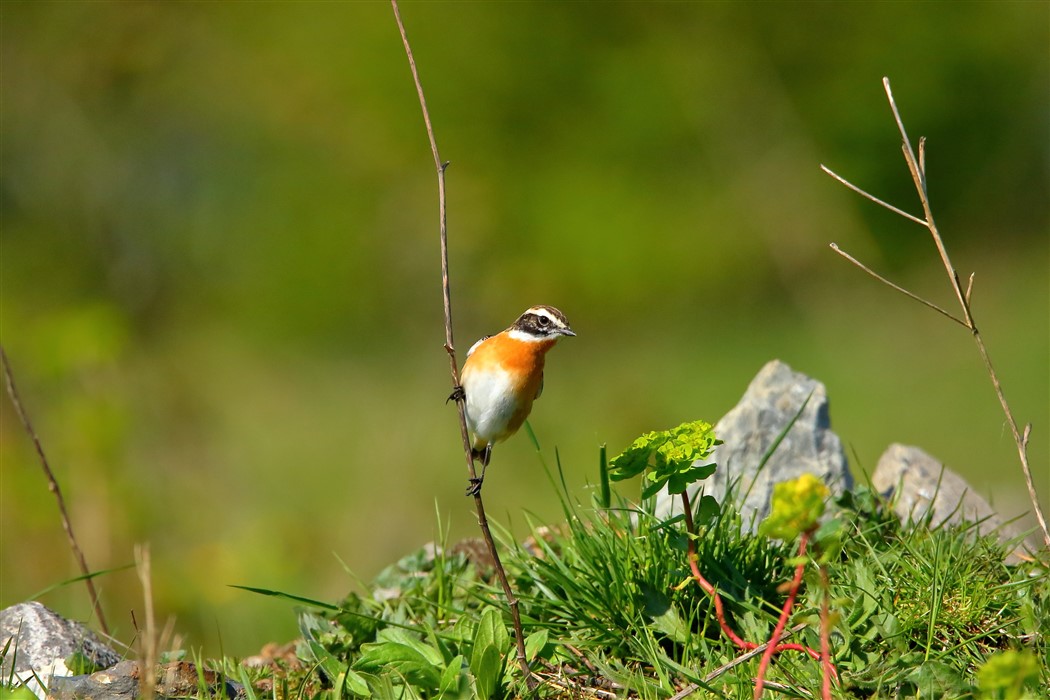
475, 345
539, 389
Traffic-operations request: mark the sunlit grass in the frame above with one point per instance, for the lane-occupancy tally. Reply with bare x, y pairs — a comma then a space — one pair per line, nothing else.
608, 605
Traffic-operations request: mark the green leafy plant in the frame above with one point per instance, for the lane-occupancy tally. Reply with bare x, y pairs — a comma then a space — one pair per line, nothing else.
669, 458
1008, 675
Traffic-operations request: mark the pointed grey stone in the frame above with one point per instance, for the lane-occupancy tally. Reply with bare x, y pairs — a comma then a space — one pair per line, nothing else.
775, 397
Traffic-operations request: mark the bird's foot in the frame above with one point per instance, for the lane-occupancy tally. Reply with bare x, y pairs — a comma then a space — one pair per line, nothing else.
457, 394
474, 489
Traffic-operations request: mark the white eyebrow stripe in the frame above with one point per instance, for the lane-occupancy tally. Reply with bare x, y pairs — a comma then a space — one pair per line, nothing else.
540, 311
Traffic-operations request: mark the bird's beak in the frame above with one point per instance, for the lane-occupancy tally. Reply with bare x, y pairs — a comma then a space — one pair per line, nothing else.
566, 331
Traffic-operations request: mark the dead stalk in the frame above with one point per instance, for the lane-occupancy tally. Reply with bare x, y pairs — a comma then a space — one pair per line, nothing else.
52, 485
917, 168
147, 637
440, 166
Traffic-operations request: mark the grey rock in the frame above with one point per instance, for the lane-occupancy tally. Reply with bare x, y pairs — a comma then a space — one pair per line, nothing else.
124, 682
920, 486
120, 682
41, 643
771, 402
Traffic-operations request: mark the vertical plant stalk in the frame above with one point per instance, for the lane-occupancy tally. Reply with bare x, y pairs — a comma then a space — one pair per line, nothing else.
440, 166
147, 637
52, 485
917, 168
763, 665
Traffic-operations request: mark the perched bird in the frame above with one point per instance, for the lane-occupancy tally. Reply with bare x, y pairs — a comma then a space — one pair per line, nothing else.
503, 375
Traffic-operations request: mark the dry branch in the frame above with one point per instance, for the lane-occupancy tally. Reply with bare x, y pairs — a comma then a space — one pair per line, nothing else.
440, 166
52, 485
917, 168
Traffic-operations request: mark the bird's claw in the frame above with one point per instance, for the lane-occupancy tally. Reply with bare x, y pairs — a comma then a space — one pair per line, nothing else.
474, 489
457, 394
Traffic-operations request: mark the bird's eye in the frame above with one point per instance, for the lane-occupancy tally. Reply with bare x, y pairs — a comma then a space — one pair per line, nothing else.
544, 321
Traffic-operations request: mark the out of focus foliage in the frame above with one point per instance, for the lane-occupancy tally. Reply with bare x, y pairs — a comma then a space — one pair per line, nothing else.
219, 264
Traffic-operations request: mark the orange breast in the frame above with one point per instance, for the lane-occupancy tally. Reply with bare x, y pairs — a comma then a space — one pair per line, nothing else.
522, 359
502, 377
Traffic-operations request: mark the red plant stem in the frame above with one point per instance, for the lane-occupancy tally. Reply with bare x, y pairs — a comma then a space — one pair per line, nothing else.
704, 583
719, 608
825, 633
763, 665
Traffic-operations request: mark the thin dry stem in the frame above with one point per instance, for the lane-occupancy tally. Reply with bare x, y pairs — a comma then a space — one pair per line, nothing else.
440, 166
917, 168
748, 655
52, 485
902, 290
918, 171
868, 195
148, 637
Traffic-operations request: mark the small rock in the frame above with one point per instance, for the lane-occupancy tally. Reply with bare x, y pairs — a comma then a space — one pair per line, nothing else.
41, 643
119, 682
773, 399
178, 679
921, 486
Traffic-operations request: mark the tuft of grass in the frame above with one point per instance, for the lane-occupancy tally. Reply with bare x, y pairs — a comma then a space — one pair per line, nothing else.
609, 609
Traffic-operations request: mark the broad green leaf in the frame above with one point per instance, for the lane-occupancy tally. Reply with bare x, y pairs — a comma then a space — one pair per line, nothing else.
491, 645
670, 623
653, 483
454, 680
356, 684
535, 643
399, 649
681, 479
709, 510
635, 459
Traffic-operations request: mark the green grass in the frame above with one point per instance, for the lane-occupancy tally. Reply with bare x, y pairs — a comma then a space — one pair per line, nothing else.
608, 606
610, 609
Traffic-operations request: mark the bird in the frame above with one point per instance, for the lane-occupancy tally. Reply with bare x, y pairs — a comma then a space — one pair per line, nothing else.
501, 377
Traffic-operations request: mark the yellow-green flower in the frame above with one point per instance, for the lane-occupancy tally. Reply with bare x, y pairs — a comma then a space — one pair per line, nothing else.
797, 506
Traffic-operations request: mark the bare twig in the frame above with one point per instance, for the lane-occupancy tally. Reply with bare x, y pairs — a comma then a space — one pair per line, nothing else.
902, 290
917, 168
574, 690
52, 485
870, 196
747, 656
512, 602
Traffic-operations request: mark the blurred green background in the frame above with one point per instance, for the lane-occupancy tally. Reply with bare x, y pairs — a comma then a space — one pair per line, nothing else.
220, 269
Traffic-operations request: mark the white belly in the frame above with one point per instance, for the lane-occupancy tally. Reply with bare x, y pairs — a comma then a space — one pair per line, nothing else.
490, 404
